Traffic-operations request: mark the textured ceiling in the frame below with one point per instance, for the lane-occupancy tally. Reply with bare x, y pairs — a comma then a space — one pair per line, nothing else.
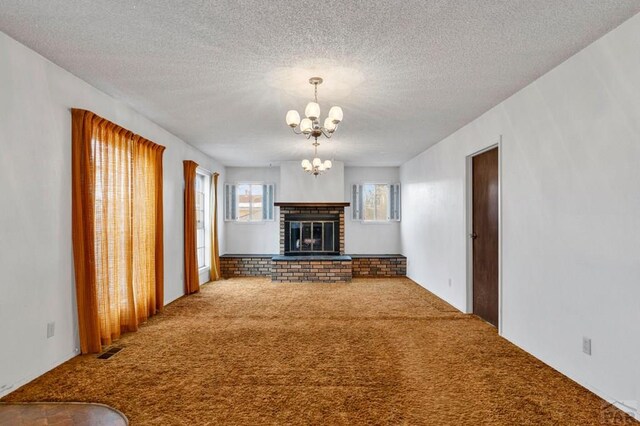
222, 74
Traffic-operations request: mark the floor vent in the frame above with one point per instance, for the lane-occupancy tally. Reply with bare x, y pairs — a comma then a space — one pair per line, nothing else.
109, 353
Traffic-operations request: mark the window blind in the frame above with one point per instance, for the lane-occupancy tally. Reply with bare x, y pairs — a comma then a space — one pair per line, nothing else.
357, 210
230, 202
268, 197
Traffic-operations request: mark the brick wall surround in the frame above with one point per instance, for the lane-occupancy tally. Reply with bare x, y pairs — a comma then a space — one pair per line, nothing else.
361, 266
312, 210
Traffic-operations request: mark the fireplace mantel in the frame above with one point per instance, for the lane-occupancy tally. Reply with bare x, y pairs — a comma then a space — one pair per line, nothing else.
310, 204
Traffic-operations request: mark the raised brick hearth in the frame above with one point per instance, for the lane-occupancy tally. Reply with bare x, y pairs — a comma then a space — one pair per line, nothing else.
245, 265
382, 265
369, 265
311, 269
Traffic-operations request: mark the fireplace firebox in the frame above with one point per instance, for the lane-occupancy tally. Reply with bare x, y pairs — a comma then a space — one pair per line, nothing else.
311, 234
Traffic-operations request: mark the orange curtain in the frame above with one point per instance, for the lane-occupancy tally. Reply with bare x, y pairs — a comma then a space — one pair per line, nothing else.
215, 251
117, 229
191, 278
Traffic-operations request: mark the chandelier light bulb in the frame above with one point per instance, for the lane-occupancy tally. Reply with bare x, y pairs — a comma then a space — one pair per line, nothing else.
335, 113
293, 118
317, 162
306, 126
327, 164
312, 110
329, 125
321, 167
305, 164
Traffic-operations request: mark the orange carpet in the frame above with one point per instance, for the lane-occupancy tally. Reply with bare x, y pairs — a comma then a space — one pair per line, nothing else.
385, 351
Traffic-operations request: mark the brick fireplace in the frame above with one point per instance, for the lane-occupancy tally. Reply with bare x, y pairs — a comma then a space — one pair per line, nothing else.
311, 243
312, 250
311, 217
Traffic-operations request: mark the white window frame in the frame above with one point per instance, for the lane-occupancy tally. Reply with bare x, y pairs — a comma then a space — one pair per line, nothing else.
356, 207
233, 186
203, 271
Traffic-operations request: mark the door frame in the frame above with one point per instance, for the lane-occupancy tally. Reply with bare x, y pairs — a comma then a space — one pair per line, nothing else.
469, 226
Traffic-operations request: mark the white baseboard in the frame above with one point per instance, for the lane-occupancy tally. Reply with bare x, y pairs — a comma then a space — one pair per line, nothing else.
7, 389
631, 407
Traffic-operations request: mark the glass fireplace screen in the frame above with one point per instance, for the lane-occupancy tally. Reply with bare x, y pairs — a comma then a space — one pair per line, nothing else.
305, 237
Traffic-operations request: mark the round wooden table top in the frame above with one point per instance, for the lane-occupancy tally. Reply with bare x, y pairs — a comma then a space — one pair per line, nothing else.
60, 413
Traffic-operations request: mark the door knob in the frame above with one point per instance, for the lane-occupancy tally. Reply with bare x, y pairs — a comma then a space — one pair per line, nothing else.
473, 235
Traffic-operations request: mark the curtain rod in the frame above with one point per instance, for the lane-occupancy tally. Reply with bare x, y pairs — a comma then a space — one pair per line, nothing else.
207, 170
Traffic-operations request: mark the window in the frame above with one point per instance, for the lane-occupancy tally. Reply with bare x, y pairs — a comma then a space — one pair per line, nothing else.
117, 229
203, 222
375, 202
248, 201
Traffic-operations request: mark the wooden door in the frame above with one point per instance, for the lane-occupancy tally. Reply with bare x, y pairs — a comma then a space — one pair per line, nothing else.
485, 235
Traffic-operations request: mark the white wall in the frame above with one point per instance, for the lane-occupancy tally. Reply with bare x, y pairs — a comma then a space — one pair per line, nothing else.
36, 262
297, 185
257, 237
571, 214
292, 184
370, 238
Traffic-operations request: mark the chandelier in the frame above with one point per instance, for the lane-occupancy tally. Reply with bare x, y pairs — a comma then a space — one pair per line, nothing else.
316, 166
310, 127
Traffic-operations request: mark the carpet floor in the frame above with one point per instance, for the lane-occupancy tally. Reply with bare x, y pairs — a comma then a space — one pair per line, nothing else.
383, 351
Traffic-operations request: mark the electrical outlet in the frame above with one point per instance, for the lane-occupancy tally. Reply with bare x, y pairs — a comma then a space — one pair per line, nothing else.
586, 345
51, 329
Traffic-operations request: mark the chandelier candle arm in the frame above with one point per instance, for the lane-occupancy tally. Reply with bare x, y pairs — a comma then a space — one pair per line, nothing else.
329, 125
306, 126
